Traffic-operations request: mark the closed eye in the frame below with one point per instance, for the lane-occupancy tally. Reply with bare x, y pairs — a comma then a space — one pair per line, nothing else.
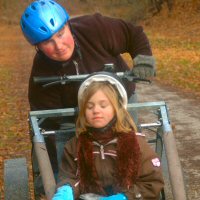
89, 106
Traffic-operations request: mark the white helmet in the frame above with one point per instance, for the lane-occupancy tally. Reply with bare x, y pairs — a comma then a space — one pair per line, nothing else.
104, 76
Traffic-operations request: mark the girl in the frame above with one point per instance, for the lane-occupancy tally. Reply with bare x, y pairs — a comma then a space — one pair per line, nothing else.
107, 158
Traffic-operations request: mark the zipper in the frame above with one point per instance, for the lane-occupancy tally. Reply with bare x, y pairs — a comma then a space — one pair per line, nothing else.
76, 67
102, 152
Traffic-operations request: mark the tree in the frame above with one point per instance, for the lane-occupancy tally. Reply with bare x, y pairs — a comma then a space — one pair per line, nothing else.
157, 5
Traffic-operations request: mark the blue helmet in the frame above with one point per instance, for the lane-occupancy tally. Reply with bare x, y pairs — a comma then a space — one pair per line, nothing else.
42, 19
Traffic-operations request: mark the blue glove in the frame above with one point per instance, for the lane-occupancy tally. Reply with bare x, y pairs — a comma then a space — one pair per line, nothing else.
144, 66
64, 193
119, 196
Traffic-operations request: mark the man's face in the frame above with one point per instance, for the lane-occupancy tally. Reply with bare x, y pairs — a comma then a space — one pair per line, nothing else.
60, 46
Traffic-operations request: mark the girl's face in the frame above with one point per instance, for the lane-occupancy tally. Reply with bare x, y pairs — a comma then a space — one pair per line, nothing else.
60, 46
99, 110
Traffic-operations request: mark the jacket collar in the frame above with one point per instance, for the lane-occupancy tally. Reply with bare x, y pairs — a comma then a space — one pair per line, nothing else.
127, 163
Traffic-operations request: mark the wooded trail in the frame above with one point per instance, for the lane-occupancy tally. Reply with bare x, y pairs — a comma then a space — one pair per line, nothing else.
15, 65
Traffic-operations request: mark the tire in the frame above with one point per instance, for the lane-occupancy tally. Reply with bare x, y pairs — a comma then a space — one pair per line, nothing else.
16, 179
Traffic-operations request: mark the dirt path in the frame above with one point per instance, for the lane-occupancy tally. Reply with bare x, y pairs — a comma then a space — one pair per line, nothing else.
185, 117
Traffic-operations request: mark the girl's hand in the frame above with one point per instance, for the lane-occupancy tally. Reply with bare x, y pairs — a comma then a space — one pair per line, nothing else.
64, 193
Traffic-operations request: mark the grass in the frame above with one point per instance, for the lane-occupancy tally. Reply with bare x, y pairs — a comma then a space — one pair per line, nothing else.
163, 42
178, 62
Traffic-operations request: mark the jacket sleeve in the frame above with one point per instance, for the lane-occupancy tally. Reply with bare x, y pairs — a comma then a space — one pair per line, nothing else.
122, 37
150, 181
68, 172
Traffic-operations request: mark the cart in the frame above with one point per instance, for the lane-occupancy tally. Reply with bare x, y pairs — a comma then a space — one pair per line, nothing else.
160, 136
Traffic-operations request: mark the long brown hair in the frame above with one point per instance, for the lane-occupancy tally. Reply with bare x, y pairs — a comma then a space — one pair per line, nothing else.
124, 121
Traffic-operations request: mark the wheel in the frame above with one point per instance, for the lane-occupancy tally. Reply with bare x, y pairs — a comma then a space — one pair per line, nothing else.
16, 179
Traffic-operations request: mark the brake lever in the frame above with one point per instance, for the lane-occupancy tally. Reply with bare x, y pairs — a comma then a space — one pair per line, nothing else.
53, 83
64, 79
63, 82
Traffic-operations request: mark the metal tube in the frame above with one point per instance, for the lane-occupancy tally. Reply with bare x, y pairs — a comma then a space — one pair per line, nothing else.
43, 160
45, 169
174, 165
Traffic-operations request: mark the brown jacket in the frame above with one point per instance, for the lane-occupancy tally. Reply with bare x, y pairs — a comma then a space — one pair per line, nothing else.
148, 183
99, 40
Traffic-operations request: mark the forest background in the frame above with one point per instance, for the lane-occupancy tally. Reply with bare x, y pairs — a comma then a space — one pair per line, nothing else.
173, 28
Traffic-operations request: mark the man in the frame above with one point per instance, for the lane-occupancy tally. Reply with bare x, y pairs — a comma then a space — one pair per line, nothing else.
79, 45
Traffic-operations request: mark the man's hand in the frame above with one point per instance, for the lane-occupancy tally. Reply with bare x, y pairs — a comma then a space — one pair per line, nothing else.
143, 71
144, 66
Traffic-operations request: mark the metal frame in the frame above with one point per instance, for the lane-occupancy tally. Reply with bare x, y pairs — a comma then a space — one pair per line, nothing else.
165, 145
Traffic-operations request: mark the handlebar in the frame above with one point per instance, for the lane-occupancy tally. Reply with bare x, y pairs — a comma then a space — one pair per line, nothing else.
54, 80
